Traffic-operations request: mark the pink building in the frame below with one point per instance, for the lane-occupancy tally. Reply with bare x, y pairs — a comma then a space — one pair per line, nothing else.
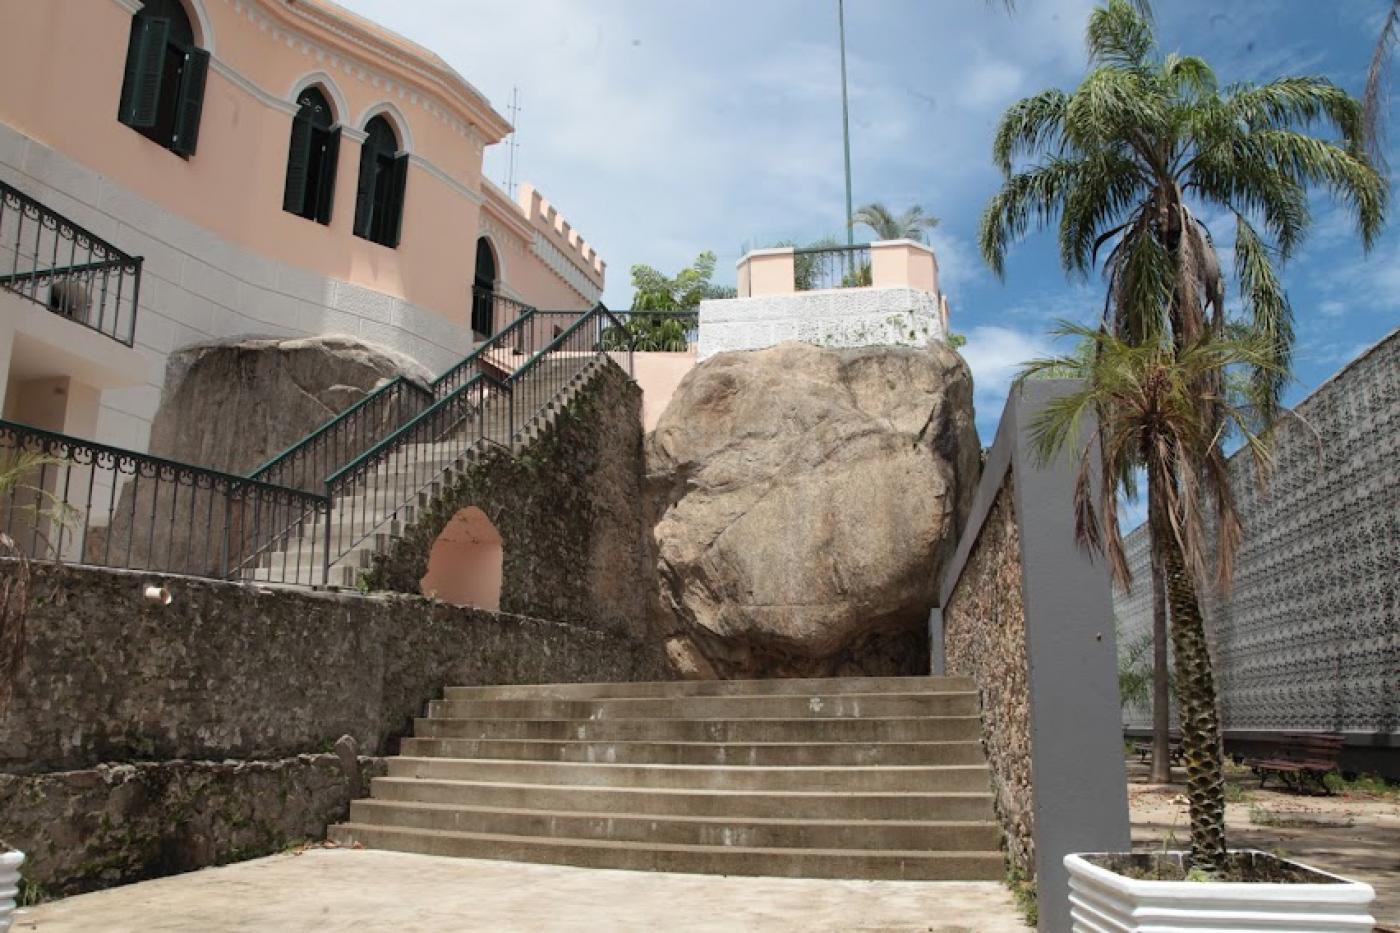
280, 168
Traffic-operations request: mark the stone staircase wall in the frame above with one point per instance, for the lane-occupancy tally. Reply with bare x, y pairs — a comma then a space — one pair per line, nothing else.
569, 508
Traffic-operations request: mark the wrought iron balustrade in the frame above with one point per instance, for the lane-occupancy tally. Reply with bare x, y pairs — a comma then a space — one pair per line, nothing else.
654, 331
820, 267
492, 312
53, 262
88, 503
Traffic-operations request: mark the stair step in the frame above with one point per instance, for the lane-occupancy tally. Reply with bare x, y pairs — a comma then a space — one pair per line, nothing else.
747, 730
827, 706
859, 805
642, 856
890, 778
794, 685
913, 835
764, 754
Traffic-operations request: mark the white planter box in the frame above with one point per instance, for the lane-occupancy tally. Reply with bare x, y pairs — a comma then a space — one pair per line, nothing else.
1103, 901
10, 861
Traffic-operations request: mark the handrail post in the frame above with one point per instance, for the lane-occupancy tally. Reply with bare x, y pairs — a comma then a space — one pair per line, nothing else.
326, 555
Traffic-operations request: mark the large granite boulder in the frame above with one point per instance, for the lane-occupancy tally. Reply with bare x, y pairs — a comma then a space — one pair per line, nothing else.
805, 500
232, 406
235, 404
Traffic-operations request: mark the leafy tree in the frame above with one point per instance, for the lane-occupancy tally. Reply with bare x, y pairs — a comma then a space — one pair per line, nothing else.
1146, 399
674, 302
1125, 161
910, 225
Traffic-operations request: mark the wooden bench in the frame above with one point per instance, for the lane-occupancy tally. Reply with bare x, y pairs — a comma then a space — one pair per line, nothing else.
1144, 749
1301, 759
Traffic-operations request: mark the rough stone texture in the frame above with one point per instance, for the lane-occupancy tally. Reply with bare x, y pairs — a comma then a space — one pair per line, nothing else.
114, 824
231, 406
279, 390
805, 500
837, 317
984, 637
570, 512
246, 672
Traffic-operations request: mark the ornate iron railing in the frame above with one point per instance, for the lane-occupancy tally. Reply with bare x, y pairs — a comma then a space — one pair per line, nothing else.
820, 267
89, 503
654, 331
53, 262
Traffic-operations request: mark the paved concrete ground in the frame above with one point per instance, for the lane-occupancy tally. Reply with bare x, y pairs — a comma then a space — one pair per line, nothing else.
329, 889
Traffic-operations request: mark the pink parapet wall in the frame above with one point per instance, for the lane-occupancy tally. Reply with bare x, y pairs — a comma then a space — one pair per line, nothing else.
658, 375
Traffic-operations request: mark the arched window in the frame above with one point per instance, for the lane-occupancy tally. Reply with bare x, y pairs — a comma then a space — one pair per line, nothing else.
484, 289
312, 159
163, 90
383, 178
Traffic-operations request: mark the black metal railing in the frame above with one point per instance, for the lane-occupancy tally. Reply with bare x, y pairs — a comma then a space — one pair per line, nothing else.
492, 311
819, 267
654, 331
306, 464
384, 484
89, 503
53, 262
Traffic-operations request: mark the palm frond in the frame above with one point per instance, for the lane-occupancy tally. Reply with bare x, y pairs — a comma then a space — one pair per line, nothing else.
1377, 75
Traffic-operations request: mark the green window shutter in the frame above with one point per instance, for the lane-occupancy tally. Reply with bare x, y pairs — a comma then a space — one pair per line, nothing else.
326, 189
298, 166
145, 55
191, 102
398, 181
364, 192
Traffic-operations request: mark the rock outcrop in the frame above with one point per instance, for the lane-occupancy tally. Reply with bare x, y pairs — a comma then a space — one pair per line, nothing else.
236, 404
232, 406
804, 502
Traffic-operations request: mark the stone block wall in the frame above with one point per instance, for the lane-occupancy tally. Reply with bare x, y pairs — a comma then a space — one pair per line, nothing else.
235, 671
220, 710
984, 637
570, 513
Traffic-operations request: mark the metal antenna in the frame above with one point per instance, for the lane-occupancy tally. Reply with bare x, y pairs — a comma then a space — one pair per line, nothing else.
514, 139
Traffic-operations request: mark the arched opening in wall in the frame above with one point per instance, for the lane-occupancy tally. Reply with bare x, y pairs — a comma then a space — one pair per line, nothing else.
464, 565
484, 289
379, 195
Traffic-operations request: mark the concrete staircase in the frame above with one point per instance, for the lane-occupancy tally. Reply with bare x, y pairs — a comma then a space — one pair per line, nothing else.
837, 778
401, 486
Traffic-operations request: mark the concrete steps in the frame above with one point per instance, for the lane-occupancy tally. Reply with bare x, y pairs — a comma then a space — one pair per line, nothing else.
840, 778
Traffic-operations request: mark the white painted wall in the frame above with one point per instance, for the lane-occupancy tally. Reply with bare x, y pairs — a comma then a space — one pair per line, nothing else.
197, 287
838, 317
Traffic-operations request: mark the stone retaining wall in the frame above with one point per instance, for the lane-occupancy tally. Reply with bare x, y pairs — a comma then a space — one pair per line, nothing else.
114, 824
984, 637
236, 671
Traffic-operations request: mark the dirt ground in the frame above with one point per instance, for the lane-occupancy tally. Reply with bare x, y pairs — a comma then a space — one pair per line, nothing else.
1350, 834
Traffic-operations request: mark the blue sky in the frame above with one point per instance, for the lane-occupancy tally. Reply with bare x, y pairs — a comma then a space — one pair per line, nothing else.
663, 128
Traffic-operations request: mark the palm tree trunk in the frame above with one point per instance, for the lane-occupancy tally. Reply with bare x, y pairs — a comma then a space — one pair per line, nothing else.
1200, 724
1161, 685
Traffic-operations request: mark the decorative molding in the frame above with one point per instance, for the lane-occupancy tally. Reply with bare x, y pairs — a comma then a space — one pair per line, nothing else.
131, 6
562, 266
236, 77
326, 83
443, 177
395, 115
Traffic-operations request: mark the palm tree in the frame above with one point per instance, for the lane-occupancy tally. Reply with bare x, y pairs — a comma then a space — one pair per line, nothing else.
910, 225
1126, 161
1376, 78
1145, 397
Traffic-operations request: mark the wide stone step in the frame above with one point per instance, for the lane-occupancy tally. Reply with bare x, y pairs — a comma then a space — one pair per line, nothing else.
913, 835
826, 706
888, 779
810, 754
923, 805
749, 730
643, 856
800, 686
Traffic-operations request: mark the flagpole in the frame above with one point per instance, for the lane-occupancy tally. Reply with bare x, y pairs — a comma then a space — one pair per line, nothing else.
846, 123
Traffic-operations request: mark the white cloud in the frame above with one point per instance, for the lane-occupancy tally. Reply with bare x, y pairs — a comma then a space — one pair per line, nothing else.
995, 355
